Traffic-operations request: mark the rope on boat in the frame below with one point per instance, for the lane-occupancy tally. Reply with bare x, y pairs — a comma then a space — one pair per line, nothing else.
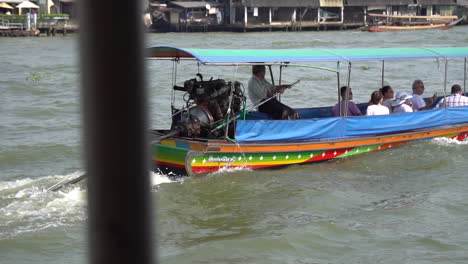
446, 69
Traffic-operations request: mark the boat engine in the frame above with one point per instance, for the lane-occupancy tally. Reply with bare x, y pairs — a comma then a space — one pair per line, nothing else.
207, 102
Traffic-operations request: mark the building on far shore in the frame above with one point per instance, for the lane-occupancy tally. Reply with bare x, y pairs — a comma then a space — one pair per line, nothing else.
250, 15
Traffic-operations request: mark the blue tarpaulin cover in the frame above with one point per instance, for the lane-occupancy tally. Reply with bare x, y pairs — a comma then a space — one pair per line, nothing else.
344, 127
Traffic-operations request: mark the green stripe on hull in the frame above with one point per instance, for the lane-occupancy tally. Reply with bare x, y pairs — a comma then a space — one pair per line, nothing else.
359, 150
169, 154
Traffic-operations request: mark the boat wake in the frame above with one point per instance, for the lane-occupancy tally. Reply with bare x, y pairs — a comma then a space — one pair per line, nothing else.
26, 205
224, 170
156, 179
449, 142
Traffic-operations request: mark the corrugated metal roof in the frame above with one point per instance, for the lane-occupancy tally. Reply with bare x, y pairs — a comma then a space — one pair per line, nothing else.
194, 4
462, 2
377, 2
281, 3
331, 3
437, 2
12, 1
397, 2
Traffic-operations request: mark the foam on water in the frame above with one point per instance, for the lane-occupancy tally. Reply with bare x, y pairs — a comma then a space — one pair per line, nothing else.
229, 170
449, 141
27, 205
159, 178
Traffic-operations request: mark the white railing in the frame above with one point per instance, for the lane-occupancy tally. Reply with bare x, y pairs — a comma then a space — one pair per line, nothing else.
5, 24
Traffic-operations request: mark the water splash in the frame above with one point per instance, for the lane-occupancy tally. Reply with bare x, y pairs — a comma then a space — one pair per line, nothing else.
27, 206
449, 141
228, 169
158, 178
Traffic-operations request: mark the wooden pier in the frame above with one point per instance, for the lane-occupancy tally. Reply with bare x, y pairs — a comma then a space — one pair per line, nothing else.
47, 28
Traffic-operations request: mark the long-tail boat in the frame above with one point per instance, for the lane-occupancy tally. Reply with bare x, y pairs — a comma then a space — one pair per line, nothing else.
215, 130
397, 22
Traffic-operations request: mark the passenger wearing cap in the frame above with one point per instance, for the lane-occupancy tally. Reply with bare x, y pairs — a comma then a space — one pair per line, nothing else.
401, 103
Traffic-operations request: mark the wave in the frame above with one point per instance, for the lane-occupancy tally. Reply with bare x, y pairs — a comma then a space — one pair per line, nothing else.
449, 141
26, 205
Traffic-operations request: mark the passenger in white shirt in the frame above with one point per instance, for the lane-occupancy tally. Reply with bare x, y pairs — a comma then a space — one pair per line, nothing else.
417, 100
387, 92
401, 103
455, 99
376, 108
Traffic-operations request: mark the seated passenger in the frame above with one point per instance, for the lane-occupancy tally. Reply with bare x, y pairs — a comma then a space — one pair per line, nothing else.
387, 92
353, 110
401, 104
376, 108
455, 99
260, 90
417, 100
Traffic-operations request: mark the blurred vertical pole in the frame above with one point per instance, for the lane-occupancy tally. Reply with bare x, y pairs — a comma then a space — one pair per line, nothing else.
113, 104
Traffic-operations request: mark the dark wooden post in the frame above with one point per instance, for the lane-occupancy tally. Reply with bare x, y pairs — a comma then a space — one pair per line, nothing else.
113, 104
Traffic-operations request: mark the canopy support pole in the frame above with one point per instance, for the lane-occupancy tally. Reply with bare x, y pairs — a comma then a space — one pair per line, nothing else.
383, 73
445, 80
228, 113
273, 80
338, 81
464, 79
347, 91
174, 80
271, 75
280, 74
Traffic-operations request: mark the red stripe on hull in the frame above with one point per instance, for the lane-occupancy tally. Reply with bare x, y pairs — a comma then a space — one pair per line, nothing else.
208, 169
329, 154
169, 164
461, 136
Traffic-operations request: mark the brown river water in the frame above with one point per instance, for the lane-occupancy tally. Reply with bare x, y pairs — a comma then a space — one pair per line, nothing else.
404, 205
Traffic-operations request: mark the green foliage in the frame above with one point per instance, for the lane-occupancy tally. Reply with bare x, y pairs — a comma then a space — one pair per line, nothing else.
53, 16
36, 76
14, 18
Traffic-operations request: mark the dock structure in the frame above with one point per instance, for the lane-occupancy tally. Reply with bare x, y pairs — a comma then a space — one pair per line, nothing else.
287, 15
8, 29
46, 27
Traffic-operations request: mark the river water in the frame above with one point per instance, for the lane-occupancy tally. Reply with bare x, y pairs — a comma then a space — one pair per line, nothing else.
404, 205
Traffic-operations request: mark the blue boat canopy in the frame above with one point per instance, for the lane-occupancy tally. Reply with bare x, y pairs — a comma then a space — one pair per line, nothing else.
273, 56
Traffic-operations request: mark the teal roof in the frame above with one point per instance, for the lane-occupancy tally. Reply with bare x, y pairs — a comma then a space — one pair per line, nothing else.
270, 56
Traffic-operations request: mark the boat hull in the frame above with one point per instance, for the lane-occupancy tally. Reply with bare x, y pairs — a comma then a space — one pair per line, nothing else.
398, 28
193, 157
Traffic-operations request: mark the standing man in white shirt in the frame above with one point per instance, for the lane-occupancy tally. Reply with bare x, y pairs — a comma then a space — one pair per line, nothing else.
455, 99
417, 100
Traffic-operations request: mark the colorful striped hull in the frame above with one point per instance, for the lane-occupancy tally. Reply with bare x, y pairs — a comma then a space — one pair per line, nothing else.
192, 157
